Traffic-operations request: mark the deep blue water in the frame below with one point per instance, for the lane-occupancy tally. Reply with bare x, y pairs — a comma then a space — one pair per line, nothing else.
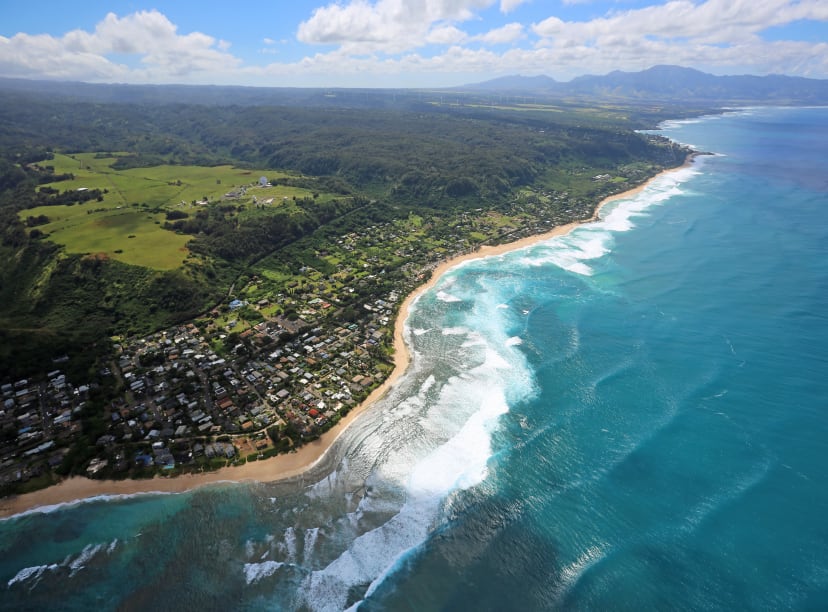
634, 416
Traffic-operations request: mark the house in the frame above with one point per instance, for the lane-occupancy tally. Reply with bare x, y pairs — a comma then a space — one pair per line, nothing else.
96, 465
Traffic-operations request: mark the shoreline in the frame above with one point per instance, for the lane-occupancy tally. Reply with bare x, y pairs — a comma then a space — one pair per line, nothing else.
282, 467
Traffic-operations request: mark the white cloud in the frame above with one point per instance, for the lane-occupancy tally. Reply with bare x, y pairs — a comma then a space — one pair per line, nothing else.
163, 53
719, 33
384, 43
712, 21
446, 35
619, 51
507, 6
503, 35
388, 26
44, 56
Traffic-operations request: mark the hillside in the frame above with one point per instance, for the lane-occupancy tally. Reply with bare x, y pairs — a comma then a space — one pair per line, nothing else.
118, 219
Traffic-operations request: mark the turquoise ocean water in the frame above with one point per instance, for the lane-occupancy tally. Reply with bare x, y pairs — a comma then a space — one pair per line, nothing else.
631, 417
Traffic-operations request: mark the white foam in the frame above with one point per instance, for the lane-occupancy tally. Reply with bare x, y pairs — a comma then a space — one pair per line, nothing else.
369, 556
438, 440
496, 361
89, 500
32, 573
420, 331
461, 462
570, 255
581, 268
572, 573
474, 339
73, 565
322, 488
447, 297
427, 385
290, 544
253, 572
89, 551
592, 241
310, 543
677, 123
458, 463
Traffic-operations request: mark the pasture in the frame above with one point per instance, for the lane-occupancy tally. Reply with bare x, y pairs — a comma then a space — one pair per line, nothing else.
163, 186
127, 224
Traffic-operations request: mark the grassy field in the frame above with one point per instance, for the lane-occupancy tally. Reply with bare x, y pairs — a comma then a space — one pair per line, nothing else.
127, 234
156, 186
133, 238
127, 224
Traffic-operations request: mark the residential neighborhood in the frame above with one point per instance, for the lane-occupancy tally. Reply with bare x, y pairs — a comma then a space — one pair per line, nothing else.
183, 404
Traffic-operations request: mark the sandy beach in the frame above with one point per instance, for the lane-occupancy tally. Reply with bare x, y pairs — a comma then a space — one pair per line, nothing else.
294, 463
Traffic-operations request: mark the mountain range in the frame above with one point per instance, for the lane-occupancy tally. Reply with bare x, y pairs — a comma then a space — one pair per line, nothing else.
662, 84
667, 83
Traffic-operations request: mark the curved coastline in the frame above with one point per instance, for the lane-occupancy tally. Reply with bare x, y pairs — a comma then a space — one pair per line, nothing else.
78, 489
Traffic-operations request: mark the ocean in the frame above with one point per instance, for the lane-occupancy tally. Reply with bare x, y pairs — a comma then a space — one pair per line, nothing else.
630, 417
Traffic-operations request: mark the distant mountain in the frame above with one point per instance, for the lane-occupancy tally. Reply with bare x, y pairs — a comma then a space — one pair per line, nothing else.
670, 83
664, 84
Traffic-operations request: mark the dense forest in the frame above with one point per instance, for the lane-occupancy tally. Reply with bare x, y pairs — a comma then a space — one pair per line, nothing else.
379, 164
488, 152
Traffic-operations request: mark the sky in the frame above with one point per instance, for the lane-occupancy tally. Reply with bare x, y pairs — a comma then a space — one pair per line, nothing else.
402, 43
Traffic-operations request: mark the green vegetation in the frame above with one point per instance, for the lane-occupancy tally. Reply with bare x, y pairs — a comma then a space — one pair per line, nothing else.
130, 237
163, 185
123, 220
